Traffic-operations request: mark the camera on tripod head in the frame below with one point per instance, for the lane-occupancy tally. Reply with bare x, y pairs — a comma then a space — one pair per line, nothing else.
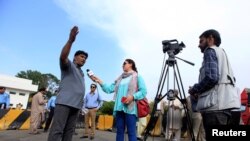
172, 47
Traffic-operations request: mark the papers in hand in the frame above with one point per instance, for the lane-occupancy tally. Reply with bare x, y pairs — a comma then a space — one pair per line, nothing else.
84, 111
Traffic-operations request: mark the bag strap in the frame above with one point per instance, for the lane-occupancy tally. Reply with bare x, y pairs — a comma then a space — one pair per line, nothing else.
138, 89
232, 82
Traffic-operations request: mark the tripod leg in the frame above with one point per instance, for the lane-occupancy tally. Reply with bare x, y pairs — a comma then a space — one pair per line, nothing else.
177, 80
153, 118
183, 96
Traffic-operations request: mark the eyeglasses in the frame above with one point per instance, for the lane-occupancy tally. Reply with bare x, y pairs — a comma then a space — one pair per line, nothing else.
125, 63
93, 87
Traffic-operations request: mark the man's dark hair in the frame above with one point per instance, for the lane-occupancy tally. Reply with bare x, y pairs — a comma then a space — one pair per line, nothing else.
215, 34
81, 52
93, 84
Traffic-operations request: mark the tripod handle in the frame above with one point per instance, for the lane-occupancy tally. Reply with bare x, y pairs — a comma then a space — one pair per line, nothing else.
190, 63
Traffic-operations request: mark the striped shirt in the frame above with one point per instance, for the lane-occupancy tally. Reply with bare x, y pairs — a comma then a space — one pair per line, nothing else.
211, 73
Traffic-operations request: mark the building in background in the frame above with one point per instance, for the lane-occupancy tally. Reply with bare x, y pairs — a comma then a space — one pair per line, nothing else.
19, 90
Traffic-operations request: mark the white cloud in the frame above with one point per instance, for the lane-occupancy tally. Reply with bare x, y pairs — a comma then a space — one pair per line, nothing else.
140, 26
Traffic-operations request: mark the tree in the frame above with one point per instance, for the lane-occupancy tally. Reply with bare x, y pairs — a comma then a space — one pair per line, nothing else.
107, 108
51, 81
35, 76
47, 80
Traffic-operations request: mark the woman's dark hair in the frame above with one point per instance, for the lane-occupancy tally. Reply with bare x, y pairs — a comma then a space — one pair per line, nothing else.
215, 34
130, 61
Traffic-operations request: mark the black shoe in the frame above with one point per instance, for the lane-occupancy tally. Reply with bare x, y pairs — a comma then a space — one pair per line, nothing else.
34, 133
40, 127
139, 138
84, 137
92, 137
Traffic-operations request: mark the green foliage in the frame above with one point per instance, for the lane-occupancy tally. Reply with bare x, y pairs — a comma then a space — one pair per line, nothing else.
35, 76
107, 108
52, 82
47, 80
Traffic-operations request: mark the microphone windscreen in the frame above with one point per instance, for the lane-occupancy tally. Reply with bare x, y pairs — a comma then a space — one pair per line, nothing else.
89, 72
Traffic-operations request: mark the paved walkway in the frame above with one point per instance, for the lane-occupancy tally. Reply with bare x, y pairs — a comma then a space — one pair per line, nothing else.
23, 135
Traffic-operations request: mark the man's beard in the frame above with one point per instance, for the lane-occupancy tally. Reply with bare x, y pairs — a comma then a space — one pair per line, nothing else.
204, 47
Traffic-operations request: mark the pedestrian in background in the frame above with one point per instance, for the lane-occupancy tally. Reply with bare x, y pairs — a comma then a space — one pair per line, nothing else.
196, 119
141, 125
174, 118
92, 102
4, 98
50, 107
37, 110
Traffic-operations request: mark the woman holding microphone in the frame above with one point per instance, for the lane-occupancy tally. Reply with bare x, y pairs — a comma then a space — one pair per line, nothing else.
127, 88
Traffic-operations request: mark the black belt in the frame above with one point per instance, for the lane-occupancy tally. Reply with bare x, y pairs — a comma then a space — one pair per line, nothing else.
91, 108
226, 111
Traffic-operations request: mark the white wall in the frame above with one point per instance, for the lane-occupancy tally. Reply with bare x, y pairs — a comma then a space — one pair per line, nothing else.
20, 87
17, 98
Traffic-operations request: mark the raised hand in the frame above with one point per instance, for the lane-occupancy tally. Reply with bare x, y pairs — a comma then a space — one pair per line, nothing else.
74, 31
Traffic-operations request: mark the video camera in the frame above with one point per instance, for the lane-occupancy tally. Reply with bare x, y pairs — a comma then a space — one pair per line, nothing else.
172, 46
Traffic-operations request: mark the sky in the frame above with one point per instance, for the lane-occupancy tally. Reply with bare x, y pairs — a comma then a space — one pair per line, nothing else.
32, 34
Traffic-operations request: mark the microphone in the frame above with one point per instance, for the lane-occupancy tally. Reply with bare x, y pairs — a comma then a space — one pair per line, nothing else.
90, 74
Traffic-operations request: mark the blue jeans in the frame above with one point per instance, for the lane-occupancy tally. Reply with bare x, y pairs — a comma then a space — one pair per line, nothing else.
128, 120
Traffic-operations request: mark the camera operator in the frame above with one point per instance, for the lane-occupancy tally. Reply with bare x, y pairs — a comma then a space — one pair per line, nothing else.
216, 91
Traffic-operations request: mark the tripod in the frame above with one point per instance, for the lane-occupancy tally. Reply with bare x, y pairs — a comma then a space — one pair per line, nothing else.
170, 62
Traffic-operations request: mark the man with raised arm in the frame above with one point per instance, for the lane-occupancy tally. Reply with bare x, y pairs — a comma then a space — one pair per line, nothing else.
71, 90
